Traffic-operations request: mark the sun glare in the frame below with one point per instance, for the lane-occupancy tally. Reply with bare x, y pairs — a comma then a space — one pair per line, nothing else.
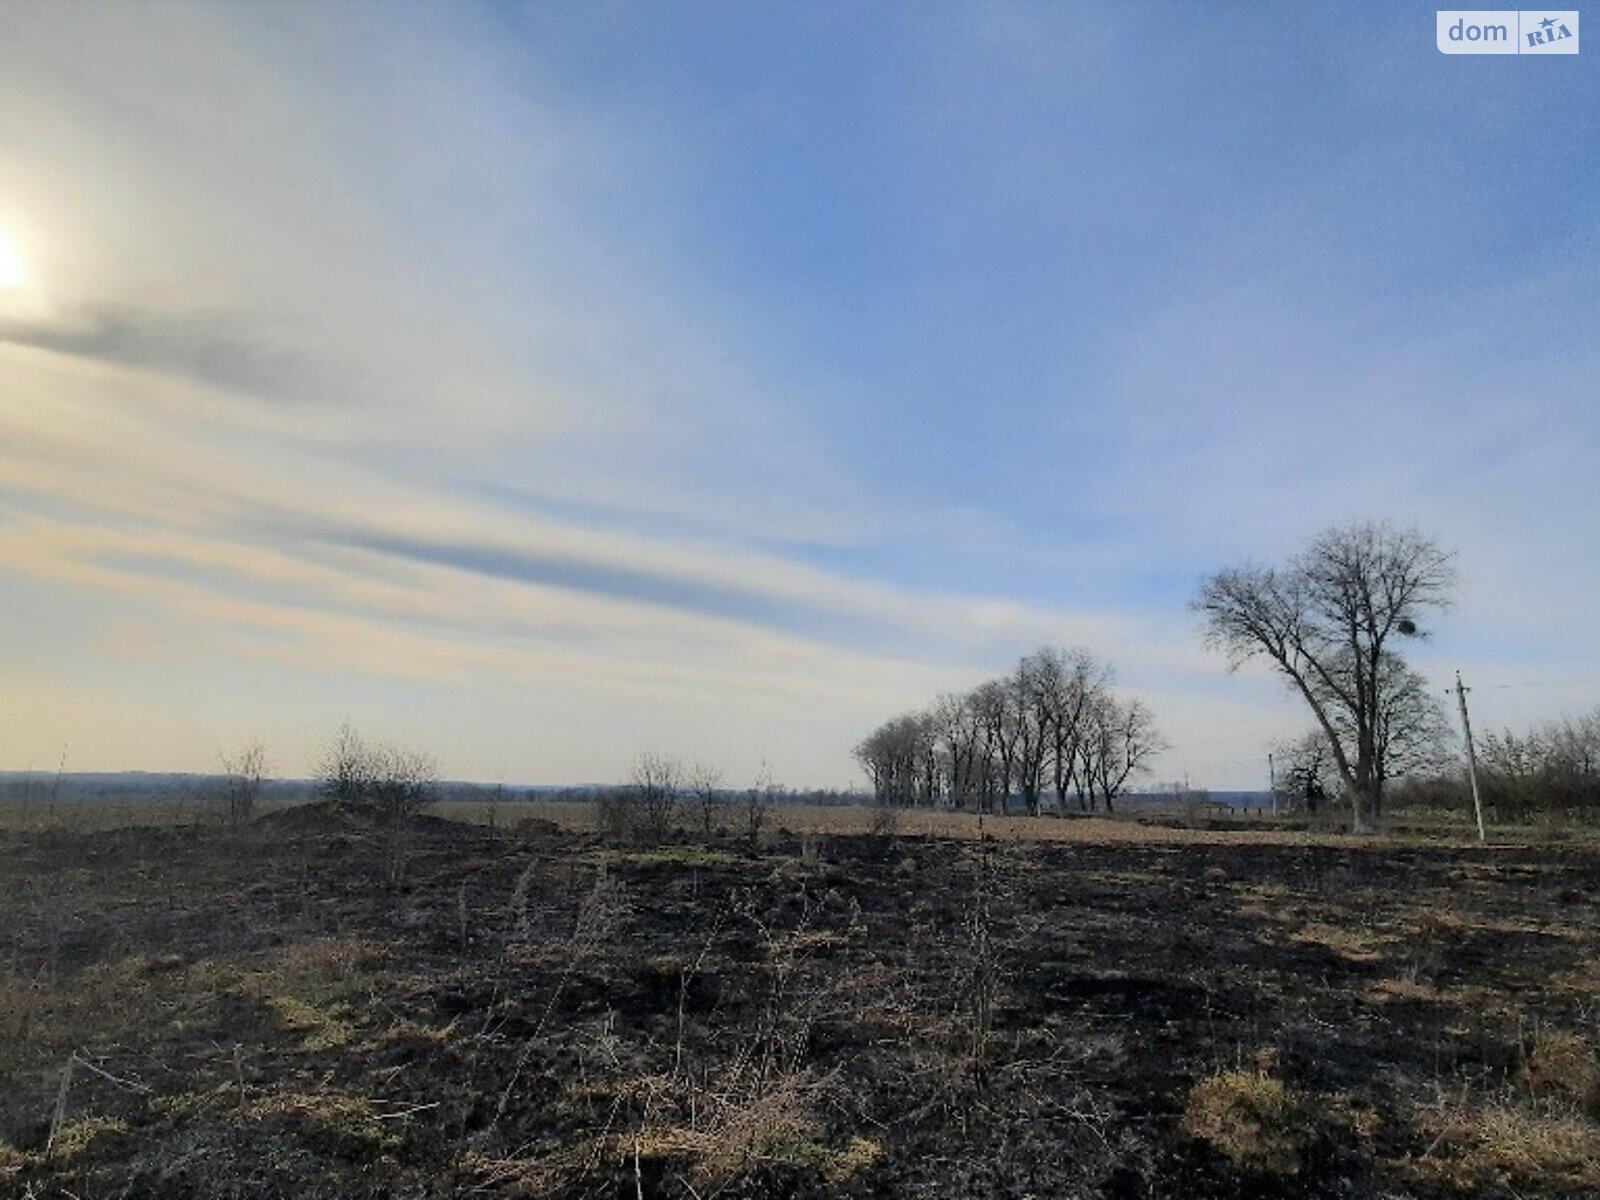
11, 272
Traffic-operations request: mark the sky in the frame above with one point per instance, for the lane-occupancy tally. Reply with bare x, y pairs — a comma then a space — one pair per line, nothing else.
541, 385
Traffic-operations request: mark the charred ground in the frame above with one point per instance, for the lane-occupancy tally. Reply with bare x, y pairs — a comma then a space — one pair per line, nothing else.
197, 1012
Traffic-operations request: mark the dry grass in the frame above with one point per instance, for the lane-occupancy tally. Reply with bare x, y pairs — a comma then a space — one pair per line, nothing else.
1583, 979
1355, 945
82, 1136
87, 814
1405, 989
92, 814
352, 1126
580, 816
323, 1029
1511, 1147
1438, 924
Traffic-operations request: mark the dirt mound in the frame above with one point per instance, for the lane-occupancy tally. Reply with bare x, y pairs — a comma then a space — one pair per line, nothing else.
330, 818
316, 817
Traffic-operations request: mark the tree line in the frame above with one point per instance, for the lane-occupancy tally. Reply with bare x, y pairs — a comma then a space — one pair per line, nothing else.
1549, 771
1554, 767
1051, 729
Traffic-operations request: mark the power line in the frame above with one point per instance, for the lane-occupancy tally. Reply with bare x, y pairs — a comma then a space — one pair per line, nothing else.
1538, 683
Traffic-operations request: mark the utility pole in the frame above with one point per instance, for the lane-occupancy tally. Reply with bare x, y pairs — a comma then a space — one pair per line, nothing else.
1272, 781
1472, 755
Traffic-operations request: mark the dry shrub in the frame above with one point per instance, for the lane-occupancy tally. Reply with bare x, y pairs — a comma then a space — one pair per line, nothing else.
1251, 1118
1439, 923
737, 1130
1562, 1066
613, 813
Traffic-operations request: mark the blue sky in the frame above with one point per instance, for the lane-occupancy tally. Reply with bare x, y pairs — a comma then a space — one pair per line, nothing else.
544, 384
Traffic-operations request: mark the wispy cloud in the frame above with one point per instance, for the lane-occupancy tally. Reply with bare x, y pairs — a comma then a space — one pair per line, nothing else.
234, 353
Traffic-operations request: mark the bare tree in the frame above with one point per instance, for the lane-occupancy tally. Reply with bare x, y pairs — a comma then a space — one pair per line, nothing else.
384, 783
1411, 730
995, 705
244, 774
404, 781
1571, 762
900, 758
344, 774
1033, 693
657, 781
1326, 622
704, 785
1073, 681
1118, 744
1306, 773
759, 798
379, 780
956, 738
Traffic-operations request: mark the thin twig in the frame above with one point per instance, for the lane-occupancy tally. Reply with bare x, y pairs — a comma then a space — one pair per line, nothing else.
405, 1112
131, 1084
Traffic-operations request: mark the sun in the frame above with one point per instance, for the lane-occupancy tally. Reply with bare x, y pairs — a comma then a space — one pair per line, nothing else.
11, 270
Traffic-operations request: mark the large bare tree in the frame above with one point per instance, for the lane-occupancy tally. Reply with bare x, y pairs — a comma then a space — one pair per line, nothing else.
899, 758
1119, 740
1074, 682
1328, 621
960, 748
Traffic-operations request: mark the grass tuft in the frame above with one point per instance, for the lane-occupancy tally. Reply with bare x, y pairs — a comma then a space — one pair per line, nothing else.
1563, 1067
1251, 1118
81, 1136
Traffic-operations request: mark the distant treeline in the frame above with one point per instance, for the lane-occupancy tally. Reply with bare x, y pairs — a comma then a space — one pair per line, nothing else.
148, 785
132, 785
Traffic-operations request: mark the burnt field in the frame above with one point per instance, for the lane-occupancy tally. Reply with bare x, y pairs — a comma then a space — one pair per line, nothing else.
316, 1008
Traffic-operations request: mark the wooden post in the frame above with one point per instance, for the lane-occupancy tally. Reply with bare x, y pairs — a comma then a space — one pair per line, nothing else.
1472, 755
